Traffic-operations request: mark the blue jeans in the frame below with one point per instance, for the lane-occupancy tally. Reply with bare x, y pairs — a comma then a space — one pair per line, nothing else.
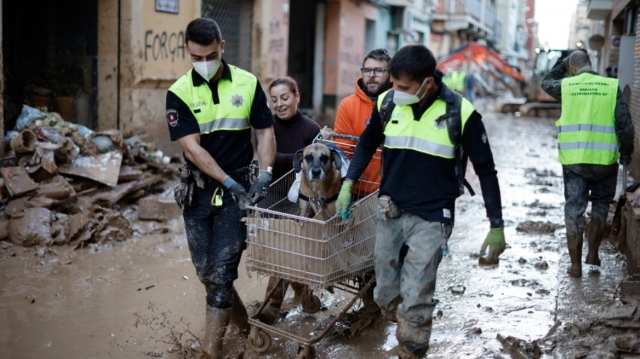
216, 238
406, 258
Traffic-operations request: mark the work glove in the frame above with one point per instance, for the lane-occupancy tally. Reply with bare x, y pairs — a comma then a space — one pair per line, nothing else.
496, 243
260, 187
625, 160
183, 192
344, 200
237, 192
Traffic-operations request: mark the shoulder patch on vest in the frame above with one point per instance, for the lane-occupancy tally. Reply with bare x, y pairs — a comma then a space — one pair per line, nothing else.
172, 118
237, 100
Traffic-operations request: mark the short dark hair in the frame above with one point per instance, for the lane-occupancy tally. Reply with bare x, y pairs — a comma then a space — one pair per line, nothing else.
415, 60
203, 31
286, 80
378, 54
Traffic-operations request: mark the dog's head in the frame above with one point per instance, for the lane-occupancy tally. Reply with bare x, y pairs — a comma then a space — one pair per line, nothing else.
317, 161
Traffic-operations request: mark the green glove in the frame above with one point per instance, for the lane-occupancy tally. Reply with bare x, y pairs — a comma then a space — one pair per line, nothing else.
344, 200
496, 243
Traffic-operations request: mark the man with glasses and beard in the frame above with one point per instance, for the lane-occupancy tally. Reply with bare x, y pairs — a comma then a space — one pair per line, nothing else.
354, 111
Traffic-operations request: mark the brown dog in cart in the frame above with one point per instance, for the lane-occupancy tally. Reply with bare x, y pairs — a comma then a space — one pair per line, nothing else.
321, 252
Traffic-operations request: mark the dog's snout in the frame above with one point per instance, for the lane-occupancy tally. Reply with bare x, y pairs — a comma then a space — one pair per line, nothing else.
316, 172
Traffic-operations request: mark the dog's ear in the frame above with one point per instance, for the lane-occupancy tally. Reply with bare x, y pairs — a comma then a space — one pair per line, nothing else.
336, 158
297, 160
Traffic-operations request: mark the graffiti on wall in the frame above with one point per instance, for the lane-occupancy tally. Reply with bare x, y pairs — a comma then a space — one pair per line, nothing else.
350, 61
163, 46
278, 39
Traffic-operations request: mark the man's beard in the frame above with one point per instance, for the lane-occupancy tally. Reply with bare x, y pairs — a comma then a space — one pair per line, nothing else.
384, 86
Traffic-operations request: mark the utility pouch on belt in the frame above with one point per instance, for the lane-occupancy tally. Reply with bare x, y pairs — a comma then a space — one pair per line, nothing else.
183, 192
388, 208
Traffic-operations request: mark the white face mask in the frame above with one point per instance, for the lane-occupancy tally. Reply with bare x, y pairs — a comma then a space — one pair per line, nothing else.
402, 98
206, 69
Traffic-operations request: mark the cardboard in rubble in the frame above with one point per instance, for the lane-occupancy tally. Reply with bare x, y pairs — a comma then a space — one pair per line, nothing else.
103, 168
17, 180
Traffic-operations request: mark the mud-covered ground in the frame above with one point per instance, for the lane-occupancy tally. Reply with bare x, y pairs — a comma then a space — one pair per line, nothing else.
141, 298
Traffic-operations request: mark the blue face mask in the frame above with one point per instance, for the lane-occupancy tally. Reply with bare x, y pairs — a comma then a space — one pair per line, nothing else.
402, 98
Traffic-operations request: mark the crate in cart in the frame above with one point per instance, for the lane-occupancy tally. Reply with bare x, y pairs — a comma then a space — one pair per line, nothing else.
312, 251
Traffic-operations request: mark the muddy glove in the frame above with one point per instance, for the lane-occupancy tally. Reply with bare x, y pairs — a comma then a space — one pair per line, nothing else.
496, 243
237, 192
260, 187
625, 160
183, 192
344, 200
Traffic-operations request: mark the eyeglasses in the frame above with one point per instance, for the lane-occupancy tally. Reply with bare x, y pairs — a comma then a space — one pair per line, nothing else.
378, 71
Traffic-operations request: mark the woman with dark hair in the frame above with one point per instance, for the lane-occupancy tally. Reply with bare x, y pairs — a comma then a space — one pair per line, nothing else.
293, 130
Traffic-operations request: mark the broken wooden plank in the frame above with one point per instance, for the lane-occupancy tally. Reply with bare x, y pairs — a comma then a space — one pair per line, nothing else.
129, 173
108, 199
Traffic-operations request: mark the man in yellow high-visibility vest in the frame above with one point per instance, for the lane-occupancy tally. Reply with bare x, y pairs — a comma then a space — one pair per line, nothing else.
210, 113
594, 131
421, 180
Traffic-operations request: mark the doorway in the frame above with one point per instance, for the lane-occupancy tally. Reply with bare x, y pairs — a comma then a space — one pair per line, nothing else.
50, 52
302, 43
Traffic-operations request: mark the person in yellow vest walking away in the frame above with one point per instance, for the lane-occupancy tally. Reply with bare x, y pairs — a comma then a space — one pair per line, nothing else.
594, 132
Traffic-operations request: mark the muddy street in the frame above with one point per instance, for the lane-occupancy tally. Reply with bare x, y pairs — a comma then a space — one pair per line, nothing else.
141, 298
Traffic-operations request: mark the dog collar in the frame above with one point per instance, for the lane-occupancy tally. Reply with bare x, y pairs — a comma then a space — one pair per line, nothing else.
321, 201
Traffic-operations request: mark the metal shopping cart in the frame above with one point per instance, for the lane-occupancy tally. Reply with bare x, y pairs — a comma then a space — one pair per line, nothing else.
318, 253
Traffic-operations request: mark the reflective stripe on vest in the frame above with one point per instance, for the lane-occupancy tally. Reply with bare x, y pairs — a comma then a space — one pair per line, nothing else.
425, 136
586, 128
234, 109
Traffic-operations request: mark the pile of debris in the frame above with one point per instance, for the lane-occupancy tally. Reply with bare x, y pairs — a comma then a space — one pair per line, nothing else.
63, 183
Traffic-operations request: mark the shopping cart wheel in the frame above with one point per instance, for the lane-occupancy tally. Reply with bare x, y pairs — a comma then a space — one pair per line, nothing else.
311, 304
259, 340
306, 352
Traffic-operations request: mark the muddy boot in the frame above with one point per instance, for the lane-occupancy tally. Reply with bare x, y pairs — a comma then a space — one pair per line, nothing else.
270, 312
574, 242
390, 312
410, 350
594, 237
239, 316
217, 321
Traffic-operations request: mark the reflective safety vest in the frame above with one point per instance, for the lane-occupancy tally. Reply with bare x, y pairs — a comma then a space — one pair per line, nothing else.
234, 109
429, 135
457, 80
586, 128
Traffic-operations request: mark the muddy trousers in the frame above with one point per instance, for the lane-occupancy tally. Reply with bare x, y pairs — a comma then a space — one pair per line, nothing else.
578, 191
406, 258
216, 238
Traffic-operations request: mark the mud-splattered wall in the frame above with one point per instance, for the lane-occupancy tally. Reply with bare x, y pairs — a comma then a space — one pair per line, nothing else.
152, 57
278, 39
345, 45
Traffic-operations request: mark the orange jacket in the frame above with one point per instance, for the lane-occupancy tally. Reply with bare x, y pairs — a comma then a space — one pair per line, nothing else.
352, 118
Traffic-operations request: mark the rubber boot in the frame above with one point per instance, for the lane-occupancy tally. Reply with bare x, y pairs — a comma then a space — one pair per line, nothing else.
594, 237
270, 312
574, 242
217, 321
239, 316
